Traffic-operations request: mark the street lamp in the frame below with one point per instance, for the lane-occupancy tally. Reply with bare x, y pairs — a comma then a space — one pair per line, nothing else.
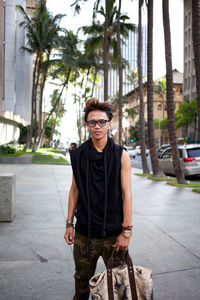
159, 109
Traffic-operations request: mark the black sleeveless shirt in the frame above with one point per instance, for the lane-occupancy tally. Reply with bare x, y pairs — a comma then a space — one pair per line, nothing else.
99, 210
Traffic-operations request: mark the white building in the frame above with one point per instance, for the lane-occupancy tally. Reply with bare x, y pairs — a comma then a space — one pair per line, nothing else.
16, 73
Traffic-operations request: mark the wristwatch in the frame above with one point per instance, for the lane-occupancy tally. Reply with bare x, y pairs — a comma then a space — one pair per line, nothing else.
127, 233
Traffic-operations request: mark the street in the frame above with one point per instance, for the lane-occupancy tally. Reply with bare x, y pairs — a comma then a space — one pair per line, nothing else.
137, 163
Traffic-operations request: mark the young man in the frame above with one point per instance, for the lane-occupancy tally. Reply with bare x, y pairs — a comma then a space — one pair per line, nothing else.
100, 198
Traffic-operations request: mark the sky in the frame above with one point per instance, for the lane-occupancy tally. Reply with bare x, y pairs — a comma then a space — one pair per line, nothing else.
73, 22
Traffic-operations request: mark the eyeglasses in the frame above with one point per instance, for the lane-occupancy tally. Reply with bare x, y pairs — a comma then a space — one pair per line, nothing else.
93, 123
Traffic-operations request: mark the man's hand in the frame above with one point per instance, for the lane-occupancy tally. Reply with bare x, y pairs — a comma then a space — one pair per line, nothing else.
121, 243
69, 235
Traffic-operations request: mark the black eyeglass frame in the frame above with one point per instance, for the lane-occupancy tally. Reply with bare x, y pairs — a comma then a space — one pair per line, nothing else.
97, 122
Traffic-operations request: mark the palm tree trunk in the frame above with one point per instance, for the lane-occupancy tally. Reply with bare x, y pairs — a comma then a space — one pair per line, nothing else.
196, 47
94, 81
52, 110
42, 85
170, 94
142, 121
119, 58
29, 139
151, 136
35, 102
105, 55
86, 83
56, 117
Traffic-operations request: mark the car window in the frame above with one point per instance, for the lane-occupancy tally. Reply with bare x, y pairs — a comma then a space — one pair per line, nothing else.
180, 152
193, 152
167, 154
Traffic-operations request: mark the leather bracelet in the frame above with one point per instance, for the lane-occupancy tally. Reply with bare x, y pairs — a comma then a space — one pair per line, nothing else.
68, 225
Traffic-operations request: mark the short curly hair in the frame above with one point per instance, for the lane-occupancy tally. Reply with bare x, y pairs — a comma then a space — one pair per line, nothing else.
94, 104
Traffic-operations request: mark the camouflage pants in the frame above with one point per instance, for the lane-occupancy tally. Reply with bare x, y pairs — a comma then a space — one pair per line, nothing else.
85, 269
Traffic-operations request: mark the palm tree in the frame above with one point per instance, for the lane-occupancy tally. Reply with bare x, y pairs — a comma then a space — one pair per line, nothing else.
132, 78
119, 57
151, 135
140, 83
41, 31
57, 114
97, 36
170, 93
69, 57
196, 47
160, 89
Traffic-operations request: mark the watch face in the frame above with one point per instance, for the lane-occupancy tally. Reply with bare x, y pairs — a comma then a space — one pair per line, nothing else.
127, 233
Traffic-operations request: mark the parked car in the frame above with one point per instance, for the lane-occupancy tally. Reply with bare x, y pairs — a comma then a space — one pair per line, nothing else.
162, 148
189, 160
139, 150
131, 151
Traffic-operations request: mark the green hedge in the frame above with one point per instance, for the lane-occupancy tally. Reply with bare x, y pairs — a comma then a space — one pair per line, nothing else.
6, 149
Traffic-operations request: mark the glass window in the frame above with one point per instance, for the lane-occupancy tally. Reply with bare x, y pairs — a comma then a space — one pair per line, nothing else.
193, 152
167, 154
180, 152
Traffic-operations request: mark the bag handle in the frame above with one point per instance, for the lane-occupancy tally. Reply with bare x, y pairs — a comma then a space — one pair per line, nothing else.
130, 268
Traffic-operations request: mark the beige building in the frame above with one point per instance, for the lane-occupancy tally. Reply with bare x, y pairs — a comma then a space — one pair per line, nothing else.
160, 109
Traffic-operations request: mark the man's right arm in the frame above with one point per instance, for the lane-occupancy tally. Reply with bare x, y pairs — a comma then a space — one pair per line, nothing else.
72, 204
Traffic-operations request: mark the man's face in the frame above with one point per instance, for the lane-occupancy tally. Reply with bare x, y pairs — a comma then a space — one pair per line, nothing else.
98, 132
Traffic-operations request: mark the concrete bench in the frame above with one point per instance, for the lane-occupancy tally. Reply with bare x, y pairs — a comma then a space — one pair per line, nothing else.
7, 196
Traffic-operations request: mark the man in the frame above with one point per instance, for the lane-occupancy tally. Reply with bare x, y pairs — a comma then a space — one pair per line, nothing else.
100, 198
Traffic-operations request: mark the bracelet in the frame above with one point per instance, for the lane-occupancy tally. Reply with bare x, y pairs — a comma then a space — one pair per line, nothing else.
126, 233
128, 227
69, 223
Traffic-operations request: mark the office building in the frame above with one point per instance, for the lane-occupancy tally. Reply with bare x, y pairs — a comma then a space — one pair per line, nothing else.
15, 72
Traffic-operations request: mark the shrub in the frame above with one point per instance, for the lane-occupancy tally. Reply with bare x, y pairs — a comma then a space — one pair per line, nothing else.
6, 149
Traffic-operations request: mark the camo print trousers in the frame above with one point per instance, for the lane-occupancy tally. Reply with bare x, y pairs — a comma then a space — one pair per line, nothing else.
85, 269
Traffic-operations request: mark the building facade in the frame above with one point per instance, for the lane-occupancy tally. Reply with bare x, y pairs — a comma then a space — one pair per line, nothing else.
15, 73
189, 84
159, 109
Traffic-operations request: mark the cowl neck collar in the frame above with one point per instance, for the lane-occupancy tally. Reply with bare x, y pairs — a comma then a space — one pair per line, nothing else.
93, 154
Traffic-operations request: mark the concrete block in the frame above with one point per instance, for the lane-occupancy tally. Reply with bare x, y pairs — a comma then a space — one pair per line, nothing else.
7, 196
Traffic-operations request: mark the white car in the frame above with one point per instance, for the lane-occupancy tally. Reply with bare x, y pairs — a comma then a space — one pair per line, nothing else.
131, 151
189, 160
139, 150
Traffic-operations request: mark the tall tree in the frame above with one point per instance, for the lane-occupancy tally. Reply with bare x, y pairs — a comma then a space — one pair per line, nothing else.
170, 93
160, 89
99, 36
150, 84
41, 32
106, 52
119, 58
196, 47
140, 83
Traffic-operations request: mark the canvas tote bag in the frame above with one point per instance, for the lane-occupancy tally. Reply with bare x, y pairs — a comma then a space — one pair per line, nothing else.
122, 282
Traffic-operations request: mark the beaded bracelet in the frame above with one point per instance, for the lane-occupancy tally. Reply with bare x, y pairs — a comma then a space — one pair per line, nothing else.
129, 227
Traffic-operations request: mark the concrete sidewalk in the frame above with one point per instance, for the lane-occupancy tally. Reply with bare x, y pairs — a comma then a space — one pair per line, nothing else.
36, 263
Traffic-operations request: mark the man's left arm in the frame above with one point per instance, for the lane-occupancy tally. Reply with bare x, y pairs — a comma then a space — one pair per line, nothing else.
122, 242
